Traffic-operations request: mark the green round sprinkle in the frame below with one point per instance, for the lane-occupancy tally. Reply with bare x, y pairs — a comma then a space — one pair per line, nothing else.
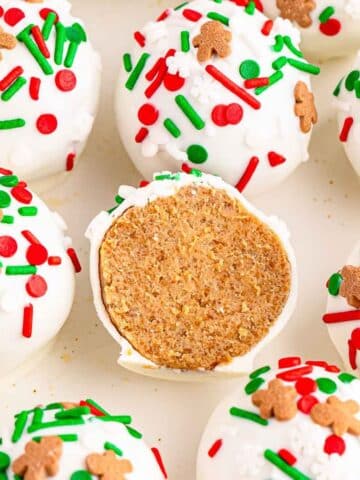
4, 461
197, 154
351, 79
334, 284
346, 377
326, 385
260, 371
81, 475
254, 385
249, 69
5, 199
9, 181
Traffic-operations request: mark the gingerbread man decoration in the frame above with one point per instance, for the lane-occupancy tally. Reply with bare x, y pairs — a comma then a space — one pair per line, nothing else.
277, 401
338, 415
305, 107
7, 41
350, 287
297, 11
213, 39
107, 466
40, 460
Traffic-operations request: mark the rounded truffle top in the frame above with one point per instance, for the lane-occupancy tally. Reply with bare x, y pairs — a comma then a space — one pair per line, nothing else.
77, 441
299, 421
49, 83
220, 87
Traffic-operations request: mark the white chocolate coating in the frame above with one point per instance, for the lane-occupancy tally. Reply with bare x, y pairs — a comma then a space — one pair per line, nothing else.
92, 435
35, 155
341, 35
52, 307
129, 357
272, 127
241, 456
342, 332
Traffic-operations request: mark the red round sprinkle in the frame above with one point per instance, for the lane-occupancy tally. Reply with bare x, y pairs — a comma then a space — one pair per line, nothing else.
305, 386
65, 80
173, 82
148, 114
36, 286
46, 123
306, 403
13, 16
36, 254
234, 113
218, 115
8, 246
334, 444
21, 194
287, 362
44, 12
330, 28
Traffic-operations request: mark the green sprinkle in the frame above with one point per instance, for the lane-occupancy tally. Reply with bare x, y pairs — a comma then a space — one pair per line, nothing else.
291, 46
254, 385
218, 17
4, 461
134, 433
172, 128
279, 63
127, 62
279, 43
13, 89
196, 172
114, 448
73, 413
59, 43
304, 67
274, 78
10, 124
24, 37
249, 69
351, 80
38, 415
48, 25
28, 211
9, 180
59, 423
5, 199
81, 475
326, 385
119, 200
185, 41
189, 112
246, 415
197, 154
260, 371
291, 472
167, 176
54, 406
8, 219
135, 74
20, 424
98, 407
336, 92
334, 284
346, 377
179, 7
125, 419
71, 54
66, 437
326, 14
250, 8
20, 270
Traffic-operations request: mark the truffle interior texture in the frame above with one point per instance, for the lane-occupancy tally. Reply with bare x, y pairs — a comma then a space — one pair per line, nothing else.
194, 279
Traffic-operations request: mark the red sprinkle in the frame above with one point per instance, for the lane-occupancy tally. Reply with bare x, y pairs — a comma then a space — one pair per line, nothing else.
143, 183
53, 261
317, 363
28, 321
234, 113
93, 410
21, 194
334, 444
34, 88
288, 362
75, 260
287, 456
267, 27
345, 131
256, 82
40, 42
46, 123
44, 12
10, 78
247, 175
186, 168
305, 386
330, 28
341, 317
36, 254
70, 161
332, 369
159, 74
139, 37
218, 115
159, 461
306, 403
141, 135
65, 80
14, 16
5, 171
30, 237
191, 15
164, 15
8, 246
275, 159
148, 114
173, 82
1, 11
36, 286
213, 450
295, 373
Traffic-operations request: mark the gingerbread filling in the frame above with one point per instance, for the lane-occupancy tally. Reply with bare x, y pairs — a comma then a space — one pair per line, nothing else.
193, 280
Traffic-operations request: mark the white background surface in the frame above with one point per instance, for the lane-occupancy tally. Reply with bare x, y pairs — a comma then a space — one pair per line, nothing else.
320, 203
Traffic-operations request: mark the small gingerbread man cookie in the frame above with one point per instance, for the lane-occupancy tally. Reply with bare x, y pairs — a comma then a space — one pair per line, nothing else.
213, 39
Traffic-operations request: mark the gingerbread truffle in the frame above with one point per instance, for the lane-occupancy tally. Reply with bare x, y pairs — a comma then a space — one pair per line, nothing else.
188, 276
